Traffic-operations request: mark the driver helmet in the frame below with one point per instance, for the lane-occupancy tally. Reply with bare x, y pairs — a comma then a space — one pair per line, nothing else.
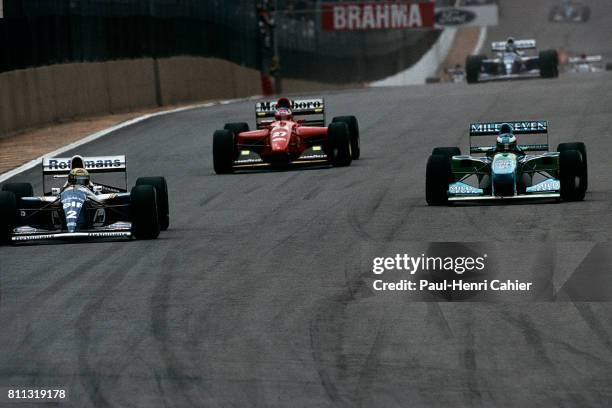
283, 114
79, 176
506, 141
510, 46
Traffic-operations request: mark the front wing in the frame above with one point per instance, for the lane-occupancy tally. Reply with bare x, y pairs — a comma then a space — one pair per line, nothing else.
118, 230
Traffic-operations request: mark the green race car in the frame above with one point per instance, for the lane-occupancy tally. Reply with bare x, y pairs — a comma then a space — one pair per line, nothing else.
507, 170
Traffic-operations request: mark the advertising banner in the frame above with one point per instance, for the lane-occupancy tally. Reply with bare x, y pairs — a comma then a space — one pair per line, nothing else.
471, 16
364, 16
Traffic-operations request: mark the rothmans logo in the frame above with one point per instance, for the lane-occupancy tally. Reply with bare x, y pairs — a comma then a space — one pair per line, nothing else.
517, 127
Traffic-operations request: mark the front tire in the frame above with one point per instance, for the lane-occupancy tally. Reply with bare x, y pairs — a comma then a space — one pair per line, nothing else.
549, 64
237, 127
161, 191
339, 144
224, 151
447, 151
353, 125
581, 147
571, 171
437, 179
8, 216
473, 66
143, 210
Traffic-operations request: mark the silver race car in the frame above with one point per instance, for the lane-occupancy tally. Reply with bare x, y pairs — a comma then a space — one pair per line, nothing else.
507, 170
512, 63
570, 11
82, 208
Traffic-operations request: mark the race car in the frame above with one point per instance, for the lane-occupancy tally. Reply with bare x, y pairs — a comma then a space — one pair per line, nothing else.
585, 64
511, 63
82, 208
287, 132
507, 170
569, 11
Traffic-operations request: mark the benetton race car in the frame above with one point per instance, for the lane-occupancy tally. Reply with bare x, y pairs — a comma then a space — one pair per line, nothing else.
81, 208
287, 132
507, 170
570, 11
511, 63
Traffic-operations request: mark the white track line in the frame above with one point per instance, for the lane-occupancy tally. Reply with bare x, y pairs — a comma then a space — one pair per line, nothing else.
481, 39
104, 132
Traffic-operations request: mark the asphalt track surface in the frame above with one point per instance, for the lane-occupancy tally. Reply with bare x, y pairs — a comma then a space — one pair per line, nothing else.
260, 294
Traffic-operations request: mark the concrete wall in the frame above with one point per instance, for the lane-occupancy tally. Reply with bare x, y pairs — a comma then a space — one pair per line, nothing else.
39, 96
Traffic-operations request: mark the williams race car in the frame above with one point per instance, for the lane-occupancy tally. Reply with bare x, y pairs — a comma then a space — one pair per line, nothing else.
81, 208
569, 11
586, 64
507, 170
287, 132
511, 63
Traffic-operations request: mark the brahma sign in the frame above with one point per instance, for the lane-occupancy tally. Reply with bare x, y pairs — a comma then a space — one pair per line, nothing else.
377, 16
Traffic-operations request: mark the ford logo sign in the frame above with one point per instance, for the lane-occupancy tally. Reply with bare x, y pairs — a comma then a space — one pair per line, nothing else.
454, 17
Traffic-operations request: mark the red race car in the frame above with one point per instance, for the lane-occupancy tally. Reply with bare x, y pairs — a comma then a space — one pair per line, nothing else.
287, 132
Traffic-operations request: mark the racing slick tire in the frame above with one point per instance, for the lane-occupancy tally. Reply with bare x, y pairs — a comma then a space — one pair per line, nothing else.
224, 151
161, 191
339, 144
143, 212
353, 125
549, 64
473, 64
8, 215
554, 12
571, 171
437, 179
582, 149
237, 127
447, 151
19, 189
586, 14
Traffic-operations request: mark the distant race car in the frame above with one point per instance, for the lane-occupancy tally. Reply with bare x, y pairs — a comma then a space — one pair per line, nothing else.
507, 170
287, 132
511, 63
585, 64
570, 11
81, 208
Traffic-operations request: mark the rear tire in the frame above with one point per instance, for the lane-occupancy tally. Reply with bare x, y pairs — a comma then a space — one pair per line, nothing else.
143, 210
571, 169
224, 151
473, 66
582, 149
437, 179
339, 144
161, 191
353, 125
8, 216
19, 189
549, 64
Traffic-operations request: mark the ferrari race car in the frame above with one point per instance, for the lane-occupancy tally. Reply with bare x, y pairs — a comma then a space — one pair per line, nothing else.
569, 11
507, 170
81, 208
511, 63
287, 132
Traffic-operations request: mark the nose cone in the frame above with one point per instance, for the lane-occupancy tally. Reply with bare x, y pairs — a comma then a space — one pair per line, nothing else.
279, 140
73, 202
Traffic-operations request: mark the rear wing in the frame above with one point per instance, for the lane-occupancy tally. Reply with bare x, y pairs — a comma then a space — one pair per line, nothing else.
312, 111
59, 167
500, 46
536, 127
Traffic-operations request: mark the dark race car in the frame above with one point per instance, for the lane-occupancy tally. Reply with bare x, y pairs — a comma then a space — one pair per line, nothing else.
287, 132
82, 208
507, 170
570, 12
512, 63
